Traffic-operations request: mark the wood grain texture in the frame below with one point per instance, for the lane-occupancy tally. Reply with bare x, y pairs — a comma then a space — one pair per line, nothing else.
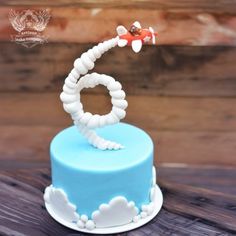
166, 70
228, 6
31, 144
197, 202
189, 130
75, 24
215, 177
187, 209
149, 112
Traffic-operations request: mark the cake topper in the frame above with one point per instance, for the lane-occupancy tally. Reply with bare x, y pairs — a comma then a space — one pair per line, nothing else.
74, 83
136, 36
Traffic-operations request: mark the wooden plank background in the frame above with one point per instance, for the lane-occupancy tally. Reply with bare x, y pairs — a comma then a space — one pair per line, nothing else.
182, 91
92, 25
162, 70
183, 5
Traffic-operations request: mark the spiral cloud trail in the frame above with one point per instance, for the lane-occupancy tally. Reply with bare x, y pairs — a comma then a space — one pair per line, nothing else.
85, 121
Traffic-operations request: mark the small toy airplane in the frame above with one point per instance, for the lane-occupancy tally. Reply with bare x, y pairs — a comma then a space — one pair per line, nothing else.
135, 37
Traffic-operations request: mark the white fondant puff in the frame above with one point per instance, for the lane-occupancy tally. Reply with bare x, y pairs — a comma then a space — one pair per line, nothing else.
90, 225
143, 214
80, 224
145, 208
119, 103
84, 218
136, 218
148, 208
80, 67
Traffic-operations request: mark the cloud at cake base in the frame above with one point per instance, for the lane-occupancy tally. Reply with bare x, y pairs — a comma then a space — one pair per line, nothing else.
154, 176
60, 204
117, 212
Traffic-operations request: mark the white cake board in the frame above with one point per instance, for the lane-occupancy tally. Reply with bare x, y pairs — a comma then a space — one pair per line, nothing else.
158, 201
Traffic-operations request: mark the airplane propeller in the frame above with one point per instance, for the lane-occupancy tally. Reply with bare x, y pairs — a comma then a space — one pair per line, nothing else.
153, 35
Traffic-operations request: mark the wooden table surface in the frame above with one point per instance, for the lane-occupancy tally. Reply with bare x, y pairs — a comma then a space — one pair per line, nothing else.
197, 201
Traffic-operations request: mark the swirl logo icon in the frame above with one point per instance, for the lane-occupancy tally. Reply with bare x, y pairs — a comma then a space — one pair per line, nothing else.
29, 25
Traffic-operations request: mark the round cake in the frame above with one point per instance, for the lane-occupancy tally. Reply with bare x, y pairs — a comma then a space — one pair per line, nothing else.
99, 176
88, 178
103, 178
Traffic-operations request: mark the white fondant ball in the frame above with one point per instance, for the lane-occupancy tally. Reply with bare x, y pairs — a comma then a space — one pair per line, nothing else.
152, 194
84, 218
143, 214
80, 224
145, 208
136, 218
131, 204
150, 208
90, 225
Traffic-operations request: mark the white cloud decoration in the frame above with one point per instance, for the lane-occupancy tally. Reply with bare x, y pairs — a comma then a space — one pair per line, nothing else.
117, 212
147, 209
153, 176
58, 200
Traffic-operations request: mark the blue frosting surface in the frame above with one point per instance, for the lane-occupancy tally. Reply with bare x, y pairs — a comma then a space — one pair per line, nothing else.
91, 177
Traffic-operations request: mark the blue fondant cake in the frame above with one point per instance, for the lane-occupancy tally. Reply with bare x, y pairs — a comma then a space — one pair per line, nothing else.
91, 177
